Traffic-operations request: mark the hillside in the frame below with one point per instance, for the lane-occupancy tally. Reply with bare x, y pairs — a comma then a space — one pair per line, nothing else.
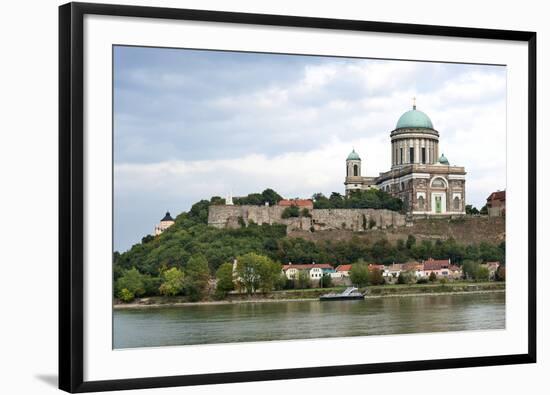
467, 230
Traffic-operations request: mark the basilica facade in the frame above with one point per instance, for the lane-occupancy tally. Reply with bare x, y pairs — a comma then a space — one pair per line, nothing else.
422, 178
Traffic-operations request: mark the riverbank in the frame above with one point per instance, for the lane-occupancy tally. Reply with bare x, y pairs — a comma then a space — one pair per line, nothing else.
379, 291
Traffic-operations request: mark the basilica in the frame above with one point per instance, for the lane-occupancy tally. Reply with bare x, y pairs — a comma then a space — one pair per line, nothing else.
425, 181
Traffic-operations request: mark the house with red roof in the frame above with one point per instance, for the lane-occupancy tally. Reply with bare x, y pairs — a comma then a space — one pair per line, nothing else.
442, 268
301, 203
374, 266
393, 271
341, 271
314, 270
416, 268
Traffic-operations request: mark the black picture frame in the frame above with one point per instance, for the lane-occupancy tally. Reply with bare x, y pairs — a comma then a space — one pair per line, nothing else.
71, 197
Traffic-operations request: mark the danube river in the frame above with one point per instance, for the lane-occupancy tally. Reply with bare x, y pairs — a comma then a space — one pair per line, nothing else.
248, 322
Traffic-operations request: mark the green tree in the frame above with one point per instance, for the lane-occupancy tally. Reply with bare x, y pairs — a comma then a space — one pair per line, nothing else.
473, 270
411, 242
303, 280
336, 200
471, 210
376, 277
469, 268
172, 282
199, 211
481, 273
359, 274
217, 201
484, 210
270, 273
500, 274
271, 197
325, 281
320, 201
224, 276
147, 239
305, 213
133, 281
257, 272
432, 277
197, 275
405, 278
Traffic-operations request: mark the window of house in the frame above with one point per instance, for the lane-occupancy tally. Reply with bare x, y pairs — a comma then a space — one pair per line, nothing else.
411, 155
456, 203
438, 183
401, 155
355, 170
423, 154
421, 202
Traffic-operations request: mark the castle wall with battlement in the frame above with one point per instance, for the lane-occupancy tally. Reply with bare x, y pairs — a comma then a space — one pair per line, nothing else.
232, 217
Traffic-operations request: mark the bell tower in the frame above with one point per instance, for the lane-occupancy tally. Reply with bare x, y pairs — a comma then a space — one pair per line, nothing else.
353, 165
353, 172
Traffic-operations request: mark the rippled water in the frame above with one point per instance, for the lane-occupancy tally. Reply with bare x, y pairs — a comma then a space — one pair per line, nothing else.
245, 322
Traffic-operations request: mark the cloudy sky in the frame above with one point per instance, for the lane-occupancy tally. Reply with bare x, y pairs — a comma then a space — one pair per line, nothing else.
192, 124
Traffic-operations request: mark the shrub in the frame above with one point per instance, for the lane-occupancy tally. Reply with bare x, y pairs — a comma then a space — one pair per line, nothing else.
422, 280
405, 278
291, 212
372, 223
306, 213
433, 277
125, 295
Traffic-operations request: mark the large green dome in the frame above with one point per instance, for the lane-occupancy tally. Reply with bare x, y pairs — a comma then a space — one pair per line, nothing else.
414, 119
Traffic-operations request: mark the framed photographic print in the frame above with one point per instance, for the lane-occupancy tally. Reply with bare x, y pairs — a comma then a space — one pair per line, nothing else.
318, 197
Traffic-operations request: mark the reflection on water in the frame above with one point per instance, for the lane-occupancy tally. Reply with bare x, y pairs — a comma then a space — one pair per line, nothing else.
245, 322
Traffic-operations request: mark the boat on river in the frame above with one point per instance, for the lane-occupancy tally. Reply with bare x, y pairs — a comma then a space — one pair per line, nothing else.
350, 293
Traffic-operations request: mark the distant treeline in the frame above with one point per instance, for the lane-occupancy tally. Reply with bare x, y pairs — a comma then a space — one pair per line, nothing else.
371, 198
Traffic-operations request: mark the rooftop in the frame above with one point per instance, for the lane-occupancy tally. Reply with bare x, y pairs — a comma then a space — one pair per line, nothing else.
167, 217
307, 266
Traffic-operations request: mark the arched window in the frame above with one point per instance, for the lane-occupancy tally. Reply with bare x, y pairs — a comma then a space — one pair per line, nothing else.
421, 202
456, 203
438, 183
355, 170
402, 186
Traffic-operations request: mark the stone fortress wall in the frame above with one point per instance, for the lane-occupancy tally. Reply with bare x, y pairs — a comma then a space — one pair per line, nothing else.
231, 217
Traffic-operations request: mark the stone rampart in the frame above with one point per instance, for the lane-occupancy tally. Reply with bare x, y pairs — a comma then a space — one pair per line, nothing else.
320, 219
